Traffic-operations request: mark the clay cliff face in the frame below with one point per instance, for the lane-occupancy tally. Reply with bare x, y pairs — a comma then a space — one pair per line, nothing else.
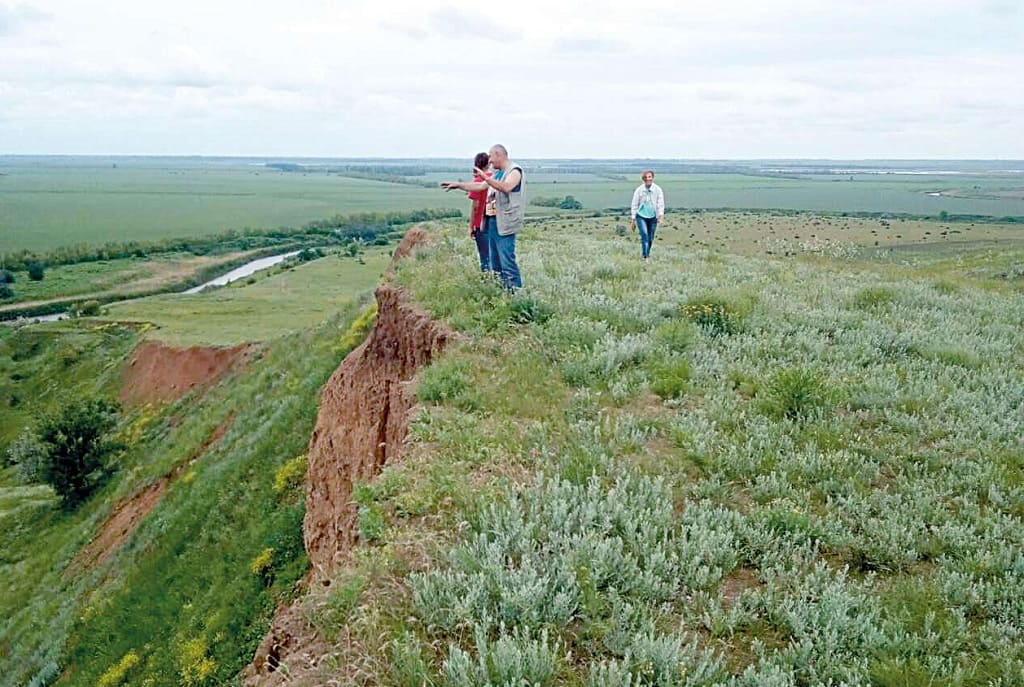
364, 415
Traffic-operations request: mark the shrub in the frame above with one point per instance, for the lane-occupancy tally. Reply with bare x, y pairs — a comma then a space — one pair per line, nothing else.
448, 381
289, 476
360, 328
116, 674
794, 393
6, 292
512, 659
27, 455
194, 663
87, 309
669, 377
524, 309
6, 277
408, 667
76, 448
370, 520
36, 271
873, 297
308, 254
675, 336
714, 315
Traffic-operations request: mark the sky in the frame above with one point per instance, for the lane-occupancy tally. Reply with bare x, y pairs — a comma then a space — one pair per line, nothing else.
716, 79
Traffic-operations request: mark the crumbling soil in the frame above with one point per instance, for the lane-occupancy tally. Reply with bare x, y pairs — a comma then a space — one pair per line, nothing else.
159, 373
364, 416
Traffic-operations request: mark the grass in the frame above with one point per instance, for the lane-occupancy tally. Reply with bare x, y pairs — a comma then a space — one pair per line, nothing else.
55, 204
263, 307
116, 278
596, 490
210, 563
808, 501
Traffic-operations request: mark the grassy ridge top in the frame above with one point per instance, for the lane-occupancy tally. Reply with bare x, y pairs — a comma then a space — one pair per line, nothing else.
714, 469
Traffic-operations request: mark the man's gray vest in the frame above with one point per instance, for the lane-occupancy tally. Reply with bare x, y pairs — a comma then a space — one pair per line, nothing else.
511, 205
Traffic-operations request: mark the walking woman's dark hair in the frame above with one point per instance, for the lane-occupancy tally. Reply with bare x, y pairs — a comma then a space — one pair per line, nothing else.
481, 160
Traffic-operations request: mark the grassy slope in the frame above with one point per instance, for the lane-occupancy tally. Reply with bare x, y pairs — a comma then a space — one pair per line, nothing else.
830, 490
188, 597
184, 593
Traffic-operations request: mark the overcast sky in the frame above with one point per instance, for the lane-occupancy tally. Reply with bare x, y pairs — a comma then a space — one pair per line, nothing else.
679, 79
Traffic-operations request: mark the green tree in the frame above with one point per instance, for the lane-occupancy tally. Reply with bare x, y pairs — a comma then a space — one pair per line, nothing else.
77, 444
570, 203
36, 271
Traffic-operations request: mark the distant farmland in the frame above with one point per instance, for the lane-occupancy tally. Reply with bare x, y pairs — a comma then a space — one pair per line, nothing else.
50, 202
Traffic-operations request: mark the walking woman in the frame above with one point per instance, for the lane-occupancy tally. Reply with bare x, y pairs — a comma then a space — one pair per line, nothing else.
647, 209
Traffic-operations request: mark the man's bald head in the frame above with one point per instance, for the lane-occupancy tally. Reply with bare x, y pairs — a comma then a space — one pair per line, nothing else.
499, 155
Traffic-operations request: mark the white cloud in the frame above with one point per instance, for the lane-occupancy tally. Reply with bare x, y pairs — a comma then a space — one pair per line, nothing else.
731, 78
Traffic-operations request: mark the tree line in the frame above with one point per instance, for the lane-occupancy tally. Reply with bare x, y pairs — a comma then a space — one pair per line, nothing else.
367, 226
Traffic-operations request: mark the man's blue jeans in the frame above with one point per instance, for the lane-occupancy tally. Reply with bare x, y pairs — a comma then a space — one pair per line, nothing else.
646, 226
482, 248
503, 256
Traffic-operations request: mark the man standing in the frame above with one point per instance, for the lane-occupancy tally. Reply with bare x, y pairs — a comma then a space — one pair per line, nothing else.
647, 209
507, 185
504, 215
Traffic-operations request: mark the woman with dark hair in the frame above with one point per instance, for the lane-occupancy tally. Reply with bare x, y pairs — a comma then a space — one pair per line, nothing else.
477, 192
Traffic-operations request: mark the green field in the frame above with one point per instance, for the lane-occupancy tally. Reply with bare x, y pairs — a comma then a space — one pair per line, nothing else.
260, 308
118, 278
46, 206
860, 193
51, 202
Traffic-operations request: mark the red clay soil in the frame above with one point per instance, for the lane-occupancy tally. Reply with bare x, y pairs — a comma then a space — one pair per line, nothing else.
158, 373
364, 414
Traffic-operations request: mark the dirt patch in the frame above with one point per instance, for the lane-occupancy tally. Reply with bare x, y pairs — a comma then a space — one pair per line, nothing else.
364, 415
127, 514
126, 517
736, 582
158, 373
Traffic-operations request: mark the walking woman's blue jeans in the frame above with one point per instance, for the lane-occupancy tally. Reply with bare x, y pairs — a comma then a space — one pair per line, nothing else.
646, 226
503, 256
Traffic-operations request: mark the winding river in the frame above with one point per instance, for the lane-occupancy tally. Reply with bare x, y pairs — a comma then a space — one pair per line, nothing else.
224, 279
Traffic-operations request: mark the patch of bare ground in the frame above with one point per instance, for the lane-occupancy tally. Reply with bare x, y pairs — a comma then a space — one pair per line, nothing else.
159, 373
127, 514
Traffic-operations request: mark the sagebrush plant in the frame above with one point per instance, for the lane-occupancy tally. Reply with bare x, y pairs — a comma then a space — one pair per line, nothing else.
827, 452
835, 500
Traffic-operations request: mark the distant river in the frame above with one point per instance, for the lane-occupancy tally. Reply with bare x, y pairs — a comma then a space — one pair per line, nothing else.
234, 275
243, 271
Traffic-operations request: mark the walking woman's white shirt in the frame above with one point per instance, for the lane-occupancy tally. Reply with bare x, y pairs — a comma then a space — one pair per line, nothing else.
656, 194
